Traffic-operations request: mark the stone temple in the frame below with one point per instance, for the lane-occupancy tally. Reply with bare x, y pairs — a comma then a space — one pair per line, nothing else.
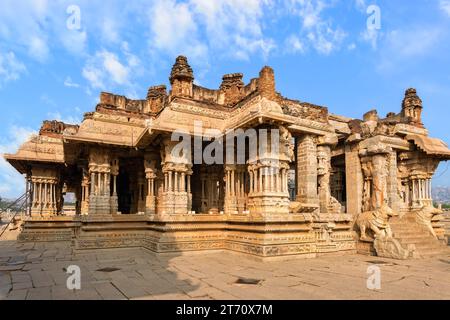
335, 185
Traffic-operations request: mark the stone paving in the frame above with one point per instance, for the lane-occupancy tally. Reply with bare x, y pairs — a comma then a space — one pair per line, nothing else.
38, 271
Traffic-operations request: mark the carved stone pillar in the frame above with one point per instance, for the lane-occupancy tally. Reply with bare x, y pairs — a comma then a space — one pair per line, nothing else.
354, 180
45, 183
114, 174
141, 192
176, 198
230, 195
379, 180
307, 170
151, 176
374, 162
269, 173
393, 192
100, 171
84, 209
241, 194
328, 204
269, 196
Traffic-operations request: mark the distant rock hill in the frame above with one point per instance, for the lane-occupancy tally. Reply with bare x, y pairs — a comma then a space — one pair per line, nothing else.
441, 194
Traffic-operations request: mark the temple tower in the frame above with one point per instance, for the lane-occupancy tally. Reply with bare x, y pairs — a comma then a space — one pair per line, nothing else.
412, 107
181, 78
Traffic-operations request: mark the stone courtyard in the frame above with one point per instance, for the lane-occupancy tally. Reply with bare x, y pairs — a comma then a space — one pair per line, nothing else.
38, 271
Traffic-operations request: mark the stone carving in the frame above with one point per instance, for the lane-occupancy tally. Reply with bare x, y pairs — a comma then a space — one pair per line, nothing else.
232, 88
57, 128
286, 144
389, 247
304, 110
412, 107
376, 221
425, 215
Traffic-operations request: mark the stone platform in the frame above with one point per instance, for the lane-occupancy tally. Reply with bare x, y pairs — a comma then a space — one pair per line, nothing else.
37, 271
265, 238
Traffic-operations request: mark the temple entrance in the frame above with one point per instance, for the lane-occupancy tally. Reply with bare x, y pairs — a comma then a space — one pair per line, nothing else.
70, 204
125, 197
208, 189
131, 184
291, 183
337, 179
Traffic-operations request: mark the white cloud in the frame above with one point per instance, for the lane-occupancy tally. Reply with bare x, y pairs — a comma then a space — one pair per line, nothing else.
203, 28
361, 5
327, 40
23, 25
12, 184
293, 44
110, 30
10, 67
71, 119
401, 46
38, 48
75, 41
235, 26
47, 100
70, 84
94, 75
371, 36
445, 6
39, 26
317, 31
106, 69
412, 42
174, 29
247, 47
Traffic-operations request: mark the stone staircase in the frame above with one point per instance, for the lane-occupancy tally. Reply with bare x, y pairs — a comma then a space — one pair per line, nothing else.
446, 223
407, 231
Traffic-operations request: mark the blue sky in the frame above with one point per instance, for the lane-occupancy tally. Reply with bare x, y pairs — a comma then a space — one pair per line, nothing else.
54, 61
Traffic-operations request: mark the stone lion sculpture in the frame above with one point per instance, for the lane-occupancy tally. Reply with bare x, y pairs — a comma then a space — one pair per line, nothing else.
425, 215
377, 221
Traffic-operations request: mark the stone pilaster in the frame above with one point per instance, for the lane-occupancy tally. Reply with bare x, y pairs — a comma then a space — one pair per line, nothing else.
374, 163
84, 208
114, 174
142, 192
151, 177
241, 192
379, 180
393, 191
230, 203
328, 204
354, 179
307, 170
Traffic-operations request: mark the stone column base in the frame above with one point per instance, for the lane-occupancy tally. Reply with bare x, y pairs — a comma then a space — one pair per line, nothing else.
100, 205
114, 203
266, 205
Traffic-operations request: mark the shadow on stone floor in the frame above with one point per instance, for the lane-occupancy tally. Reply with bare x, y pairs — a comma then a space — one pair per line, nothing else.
39, 271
